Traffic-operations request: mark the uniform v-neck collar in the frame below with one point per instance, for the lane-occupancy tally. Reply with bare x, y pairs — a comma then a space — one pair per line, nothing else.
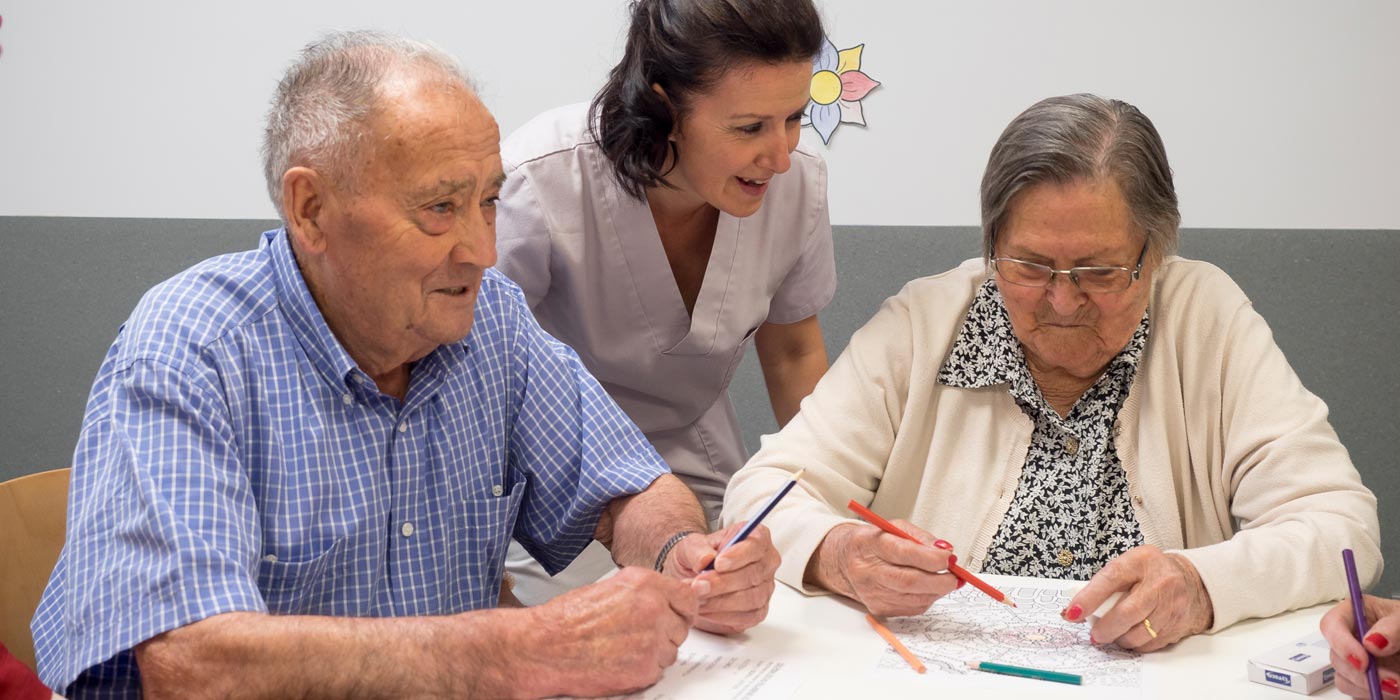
675, 331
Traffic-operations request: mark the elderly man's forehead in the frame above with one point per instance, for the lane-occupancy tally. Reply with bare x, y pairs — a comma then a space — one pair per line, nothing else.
404, 77
411, 84
407, 106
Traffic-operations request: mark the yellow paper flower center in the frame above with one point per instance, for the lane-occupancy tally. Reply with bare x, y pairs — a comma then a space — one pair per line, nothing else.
826, 87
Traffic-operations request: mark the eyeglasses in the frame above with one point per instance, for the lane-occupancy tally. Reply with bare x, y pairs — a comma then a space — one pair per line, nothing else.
1093, 279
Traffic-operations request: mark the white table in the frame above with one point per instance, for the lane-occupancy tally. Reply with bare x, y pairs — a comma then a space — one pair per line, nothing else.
827, 641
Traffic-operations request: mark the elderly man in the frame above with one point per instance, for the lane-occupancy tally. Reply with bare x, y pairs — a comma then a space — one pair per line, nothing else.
298, 472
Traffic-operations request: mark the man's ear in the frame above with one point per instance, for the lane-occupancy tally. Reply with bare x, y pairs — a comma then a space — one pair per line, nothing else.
675, 116
304, 193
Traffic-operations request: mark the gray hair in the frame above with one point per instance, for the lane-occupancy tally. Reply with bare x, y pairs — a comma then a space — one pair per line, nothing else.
1073, 138
331, 92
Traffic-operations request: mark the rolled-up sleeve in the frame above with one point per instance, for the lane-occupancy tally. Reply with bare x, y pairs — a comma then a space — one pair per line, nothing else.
165, 531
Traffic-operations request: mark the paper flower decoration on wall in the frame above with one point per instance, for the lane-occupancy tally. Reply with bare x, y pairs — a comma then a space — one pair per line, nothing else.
838, 86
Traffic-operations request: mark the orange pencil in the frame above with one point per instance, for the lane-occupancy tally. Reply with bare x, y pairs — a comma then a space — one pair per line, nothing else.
953, 569
895, 643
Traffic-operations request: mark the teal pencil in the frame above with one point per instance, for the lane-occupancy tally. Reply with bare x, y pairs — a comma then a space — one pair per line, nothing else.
1023, 672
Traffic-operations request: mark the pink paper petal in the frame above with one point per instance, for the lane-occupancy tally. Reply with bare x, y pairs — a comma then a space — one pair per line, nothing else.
855, 85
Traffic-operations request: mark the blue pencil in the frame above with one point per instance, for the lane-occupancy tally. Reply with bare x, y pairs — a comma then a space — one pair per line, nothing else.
753, 522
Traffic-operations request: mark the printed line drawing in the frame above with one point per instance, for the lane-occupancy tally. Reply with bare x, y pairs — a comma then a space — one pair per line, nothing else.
967, 626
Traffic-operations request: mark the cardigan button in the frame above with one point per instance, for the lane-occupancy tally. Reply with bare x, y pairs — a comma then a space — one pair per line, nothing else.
1072, 445
1066, 557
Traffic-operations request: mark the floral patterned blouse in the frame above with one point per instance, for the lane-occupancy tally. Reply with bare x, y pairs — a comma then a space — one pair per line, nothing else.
1071, 513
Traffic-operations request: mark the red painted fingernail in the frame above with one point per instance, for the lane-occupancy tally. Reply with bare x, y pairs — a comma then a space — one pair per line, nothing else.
952, 559
1093, 641
1390, 685
1378, 640
1072, 613
943, 544
961, 583
1354, 661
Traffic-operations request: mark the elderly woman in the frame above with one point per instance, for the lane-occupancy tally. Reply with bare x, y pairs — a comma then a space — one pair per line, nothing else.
1077, 404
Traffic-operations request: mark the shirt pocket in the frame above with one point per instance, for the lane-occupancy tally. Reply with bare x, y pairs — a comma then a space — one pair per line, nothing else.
306, 587
484, 525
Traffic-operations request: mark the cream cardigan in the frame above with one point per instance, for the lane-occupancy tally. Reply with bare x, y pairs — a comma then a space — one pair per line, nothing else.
1229, 459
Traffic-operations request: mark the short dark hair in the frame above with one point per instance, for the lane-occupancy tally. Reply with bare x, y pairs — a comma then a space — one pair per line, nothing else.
685, 46
1083, 137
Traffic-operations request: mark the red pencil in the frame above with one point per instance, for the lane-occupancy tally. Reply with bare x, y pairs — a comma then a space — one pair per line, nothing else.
953, 569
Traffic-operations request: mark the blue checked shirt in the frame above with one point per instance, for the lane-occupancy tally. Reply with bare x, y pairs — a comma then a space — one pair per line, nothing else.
234, 458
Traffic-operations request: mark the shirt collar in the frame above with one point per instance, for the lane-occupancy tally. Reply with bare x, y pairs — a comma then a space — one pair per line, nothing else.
303, 315
986, 352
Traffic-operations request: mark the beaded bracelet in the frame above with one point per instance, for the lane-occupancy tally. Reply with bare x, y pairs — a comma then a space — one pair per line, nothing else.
666, 548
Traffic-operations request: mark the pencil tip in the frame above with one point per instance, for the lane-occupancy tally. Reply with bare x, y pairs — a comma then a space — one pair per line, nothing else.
798, 474
1010, 602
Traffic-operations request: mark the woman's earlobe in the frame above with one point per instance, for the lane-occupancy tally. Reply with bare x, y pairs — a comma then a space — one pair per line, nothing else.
675, 119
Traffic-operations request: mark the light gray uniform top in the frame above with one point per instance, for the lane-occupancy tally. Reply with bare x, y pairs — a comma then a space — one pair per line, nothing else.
590, 261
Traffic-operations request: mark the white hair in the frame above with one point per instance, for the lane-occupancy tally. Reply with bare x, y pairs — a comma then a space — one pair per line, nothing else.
330, 93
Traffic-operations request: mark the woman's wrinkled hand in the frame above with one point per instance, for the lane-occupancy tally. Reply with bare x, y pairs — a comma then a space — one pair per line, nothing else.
1163, 600
889, 575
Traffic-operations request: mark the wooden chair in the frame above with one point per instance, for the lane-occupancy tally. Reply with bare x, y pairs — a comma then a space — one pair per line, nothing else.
32, 525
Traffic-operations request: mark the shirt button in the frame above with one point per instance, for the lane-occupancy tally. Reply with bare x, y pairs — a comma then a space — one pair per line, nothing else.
1066, 557
271, 558
1072, 445
497, 490
358, 379
347, 399
1117, 428
403, 427
406, 530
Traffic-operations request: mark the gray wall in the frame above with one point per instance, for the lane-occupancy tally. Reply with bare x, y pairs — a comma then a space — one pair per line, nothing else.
1331, 297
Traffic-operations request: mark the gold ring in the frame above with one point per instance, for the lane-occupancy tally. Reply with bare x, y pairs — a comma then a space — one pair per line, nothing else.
1146, 623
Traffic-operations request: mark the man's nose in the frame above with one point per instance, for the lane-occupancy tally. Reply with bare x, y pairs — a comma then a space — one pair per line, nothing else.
476, 244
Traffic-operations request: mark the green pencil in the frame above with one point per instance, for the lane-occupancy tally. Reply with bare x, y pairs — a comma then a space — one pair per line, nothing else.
1023, 672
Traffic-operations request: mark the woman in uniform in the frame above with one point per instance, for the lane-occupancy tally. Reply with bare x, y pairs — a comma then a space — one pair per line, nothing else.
661, 227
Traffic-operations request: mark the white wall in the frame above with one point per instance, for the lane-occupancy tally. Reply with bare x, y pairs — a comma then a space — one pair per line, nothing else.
1277, 114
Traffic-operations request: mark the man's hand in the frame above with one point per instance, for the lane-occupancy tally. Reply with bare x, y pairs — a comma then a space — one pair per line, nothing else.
889, 575
734, 595
1162, 593
1382, 641
611, 637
